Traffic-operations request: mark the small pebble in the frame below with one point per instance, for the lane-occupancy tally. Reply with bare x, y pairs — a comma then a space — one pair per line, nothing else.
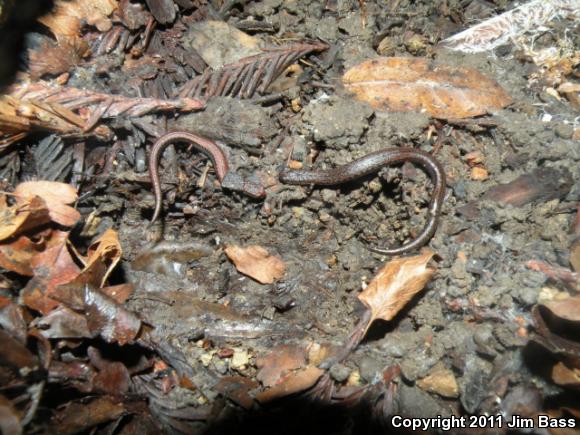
339, 372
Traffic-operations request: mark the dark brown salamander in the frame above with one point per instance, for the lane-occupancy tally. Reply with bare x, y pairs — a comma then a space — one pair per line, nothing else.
372, 163
228, 180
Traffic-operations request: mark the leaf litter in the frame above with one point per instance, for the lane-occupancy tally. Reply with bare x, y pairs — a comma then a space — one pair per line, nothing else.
168, 337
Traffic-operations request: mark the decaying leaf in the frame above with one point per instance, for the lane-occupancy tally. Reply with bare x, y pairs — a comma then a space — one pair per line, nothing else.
17, 254
395, 284
67, 16
19, 218
280, 361
52, 267
219, 43
104, 254
56, 195
9, 416
415, 84
294, 383
566, 375
82, 416
568, 309
440, 380
255, 262
237, 388
56, 58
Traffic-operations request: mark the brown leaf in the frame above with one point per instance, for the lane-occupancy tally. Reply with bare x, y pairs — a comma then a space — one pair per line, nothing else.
67, 16
113, 322
52, 268
55, 59
402, 84
568, 309
12, 319
113, 379
63, 322
440, 381
9, 417
104, 254
293, 383
15, 355
278, 362
565, 375
22, 217
255, 262
237, 388
81, 416
395, 284
17, 255
119, 293
56, 195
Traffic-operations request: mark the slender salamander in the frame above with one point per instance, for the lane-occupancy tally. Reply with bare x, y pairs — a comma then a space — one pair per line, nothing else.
372, 163
228, 179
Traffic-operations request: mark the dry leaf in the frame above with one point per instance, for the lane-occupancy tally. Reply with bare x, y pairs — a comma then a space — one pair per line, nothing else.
56, 195
395, 284
415, 84
67, 16
255, 262
219, 43
293, 383
277, 363
568, 309
17, 255
52, 267
566, 375
440, 381
22, 217
104, 254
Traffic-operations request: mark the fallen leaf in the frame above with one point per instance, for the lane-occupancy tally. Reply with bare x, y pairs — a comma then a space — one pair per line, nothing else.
568, 309
63, 322
441, 381
405, 84
104, 254
293, 383
278, 362
566, 376
82, 416
119, 293
67, 16
113, 322
12, 319
255, 262
237, 388
9, 416
52, 267
219, 43
21, 217
56, 195
17, 255
15, 355
395, 284
113, 379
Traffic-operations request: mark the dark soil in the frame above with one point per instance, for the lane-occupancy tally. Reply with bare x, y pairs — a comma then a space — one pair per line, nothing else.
474, 318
